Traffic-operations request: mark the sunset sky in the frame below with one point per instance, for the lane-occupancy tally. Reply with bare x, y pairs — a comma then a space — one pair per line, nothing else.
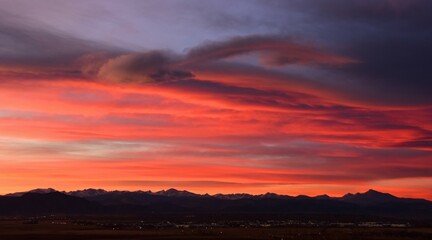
292, 97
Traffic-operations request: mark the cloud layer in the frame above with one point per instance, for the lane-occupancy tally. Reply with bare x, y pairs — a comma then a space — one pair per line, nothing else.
142, 68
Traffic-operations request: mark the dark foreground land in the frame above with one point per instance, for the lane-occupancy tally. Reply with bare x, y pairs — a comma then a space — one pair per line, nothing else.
101, 229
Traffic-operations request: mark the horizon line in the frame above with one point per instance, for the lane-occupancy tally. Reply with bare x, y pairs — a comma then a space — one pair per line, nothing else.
204, 194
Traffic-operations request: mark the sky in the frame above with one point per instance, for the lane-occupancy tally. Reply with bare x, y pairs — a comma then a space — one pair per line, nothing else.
292, 97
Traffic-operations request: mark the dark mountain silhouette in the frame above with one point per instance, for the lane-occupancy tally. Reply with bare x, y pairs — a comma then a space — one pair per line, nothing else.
101, 202
38, 190
87, 193
176, 193
369, 197
34, 203
234, 196
324, 196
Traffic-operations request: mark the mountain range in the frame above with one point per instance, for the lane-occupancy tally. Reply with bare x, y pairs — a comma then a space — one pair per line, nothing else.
172, 201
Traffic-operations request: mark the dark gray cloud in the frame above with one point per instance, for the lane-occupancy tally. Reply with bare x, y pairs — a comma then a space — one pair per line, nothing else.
381, 12
386, 43
159, 66
273, 50
154, 66
420, 143
27, 52
391, 40
30, 52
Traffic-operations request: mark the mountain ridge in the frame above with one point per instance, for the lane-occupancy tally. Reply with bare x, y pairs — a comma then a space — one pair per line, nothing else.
89, 192
172, 201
